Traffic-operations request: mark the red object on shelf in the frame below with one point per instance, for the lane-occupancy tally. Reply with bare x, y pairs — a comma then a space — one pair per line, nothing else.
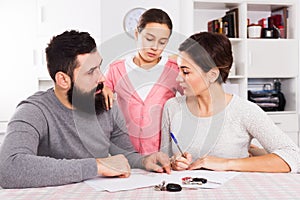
274, 20
263, 23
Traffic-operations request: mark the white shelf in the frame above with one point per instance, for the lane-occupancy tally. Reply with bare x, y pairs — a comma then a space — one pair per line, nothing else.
236, 77
281, 112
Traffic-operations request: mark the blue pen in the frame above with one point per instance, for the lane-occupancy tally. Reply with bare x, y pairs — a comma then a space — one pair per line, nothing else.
176, 142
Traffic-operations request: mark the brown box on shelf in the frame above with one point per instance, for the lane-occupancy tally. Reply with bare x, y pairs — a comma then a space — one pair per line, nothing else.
281, 13
235, 13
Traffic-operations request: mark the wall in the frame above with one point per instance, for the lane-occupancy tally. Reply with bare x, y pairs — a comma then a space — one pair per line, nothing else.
17, 77
112, 15
298, 31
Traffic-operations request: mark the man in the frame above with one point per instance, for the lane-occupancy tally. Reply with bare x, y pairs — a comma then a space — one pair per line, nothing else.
64, 135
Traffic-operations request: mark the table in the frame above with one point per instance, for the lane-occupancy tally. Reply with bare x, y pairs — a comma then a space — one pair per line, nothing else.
244, 186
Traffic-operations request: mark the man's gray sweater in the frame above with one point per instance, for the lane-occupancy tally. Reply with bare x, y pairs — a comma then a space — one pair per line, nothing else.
48, 144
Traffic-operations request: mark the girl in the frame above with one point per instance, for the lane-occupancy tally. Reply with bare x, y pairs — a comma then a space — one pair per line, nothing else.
144, 81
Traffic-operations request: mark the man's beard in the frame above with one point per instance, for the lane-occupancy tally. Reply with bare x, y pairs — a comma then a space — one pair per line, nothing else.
88, 102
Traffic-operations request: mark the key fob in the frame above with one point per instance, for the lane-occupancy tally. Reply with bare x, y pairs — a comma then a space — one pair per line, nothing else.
173, 187
202, 180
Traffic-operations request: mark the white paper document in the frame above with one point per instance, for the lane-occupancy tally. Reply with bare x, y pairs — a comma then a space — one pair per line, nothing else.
141, 178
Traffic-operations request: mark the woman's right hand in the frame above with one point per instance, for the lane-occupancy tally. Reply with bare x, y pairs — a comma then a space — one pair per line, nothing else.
179, 162
109, 97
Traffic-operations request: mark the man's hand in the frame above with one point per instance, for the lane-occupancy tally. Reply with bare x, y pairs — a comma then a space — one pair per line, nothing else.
113, 166
151, 161
109, 97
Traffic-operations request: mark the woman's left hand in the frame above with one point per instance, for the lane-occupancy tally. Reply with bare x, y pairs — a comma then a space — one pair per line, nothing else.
210, 162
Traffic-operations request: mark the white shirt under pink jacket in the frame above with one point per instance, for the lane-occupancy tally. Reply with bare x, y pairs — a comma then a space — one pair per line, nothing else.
143, 115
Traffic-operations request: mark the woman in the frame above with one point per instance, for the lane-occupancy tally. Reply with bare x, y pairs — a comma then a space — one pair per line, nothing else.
144, 81
214, 128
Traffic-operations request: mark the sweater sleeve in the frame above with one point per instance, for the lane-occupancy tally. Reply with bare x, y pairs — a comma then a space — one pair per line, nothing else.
120, 141
20, 164
166, 141
271, 137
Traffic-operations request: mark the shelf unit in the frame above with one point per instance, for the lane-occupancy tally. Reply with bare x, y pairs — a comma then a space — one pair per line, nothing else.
256, 60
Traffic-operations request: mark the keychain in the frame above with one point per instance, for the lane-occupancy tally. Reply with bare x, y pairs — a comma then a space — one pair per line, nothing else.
198, 181
170, 187
190, 180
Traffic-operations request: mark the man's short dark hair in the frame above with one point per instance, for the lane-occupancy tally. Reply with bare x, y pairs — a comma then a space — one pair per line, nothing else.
63, 49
